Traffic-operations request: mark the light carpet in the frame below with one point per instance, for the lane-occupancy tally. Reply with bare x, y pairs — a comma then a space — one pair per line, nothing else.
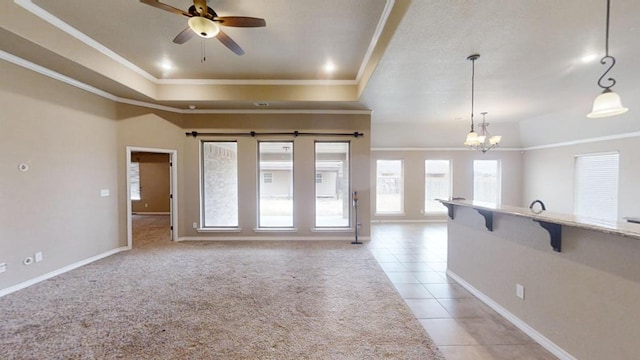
216, 300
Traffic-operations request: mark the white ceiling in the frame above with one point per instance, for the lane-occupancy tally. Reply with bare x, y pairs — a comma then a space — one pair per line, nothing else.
404, 60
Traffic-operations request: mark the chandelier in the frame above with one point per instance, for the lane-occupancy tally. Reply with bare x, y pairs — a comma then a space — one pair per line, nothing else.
484, 141
608, 103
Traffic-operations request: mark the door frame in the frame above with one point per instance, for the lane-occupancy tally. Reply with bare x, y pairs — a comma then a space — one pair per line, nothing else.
173, 183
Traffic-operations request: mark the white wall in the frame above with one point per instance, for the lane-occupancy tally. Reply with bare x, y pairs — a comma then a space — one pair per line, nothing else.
549, 174
462, 178
437, 134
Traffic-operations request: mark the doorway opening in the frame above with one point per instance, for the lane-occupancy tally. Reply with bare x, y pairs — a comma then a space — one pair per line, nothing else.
151, 195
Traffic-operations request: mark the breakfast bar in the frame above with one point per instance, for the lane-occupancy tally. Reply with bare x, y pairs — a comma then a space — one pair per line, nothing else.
571, 283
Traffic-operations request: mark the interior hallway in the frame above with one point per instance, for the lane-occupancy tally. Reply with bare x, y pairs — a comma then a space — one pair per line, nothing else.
414, 257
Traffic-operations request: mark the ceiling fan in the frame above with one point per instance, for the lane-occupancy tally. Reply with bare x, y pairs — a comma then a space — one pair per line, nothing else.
204, 22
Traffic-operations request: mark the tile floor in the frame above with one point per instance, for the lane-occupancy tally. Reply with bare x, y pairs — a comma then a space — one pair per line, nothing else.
414, 257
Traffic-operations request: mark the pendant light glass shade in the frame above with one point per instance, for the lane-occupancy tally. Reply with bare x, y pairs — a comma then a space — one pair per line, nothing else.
472, 139
203, 27
607, 104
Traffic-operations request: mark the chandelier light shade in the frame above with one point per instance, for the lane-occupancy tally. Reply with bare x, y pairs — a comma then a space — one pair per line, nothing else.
608, 103
482, 141
203, 26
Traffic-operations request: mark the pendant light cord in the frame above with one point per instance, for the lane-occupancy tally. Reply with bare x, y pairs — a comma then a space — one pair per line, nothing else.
473, 76
603, 61
473, 59
606, 38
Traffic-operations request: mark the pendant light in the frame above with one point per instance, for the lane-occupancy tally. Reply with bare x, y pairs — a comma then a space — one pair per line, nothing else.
608, 103
482, 142
472, 136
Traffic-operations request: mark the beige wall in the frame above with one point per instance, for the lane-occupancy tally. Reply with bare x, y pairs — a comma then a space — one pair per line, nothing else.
462, 178
549, 175
304, 166
154, 183
67, 137
585, 299
139, 127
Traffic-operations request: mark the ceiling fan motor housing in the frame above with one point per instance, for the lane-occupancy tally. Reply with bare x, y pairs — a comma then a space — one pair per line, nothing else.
210, 13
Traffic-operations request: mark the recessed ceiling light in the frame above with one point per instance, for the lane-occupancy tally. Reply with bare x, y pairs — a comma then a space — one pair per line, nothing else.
589, 58
329, 67
166, 65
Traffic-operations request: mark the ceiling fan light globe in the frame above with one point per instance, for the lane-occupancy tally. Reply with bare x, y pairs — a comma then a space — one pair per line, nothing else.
203, 27
607, 104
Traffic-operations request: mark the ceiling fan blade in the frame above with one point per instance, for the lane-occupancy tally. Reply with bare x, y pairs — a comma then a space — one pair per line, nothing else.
184, 36
228, 42
169, 8
201, 7
240, 21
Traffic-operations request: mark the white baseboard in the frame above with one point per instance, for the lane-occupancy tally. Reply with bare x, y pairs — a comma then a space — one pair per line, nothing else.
150, 213
272, 238
409, 221
63, 270
533, 333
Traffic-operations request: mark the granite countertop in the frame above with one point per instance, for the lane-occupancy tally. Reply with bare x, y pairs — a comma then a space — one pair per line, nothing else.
613, 227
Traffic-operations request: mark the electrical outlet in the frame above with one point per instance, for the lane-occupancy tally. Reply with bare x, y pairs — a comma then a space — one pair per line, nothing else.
520, 291
195, 225
38, 256
104, 192
3, 267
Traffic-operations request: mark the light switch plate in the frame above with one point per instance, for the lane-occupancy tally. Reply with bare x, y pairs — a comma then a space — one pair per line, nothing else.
520, 291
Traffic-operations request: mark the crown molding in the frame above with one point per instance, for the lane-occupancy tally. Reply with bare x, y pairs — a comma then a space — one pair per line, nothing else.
91, 89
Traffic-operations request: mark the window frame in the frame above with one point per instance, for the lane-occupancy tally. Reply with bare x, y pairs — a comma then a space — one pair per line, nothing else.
615, 207
401, 210
347, 194
498, 199
450, 186
293, 186
139, 187
203, 223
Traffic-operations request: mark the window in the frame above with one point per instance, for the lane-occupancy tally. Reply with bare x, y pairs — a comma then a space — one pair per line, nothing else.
437, 185
276, 195
596, 186
486, 181
134, 180
333, 200
219, 184
389, 187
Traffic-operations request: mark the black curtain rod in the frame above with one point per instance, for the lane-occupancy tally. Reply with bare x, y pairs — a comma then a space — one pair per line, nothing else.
294, 133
